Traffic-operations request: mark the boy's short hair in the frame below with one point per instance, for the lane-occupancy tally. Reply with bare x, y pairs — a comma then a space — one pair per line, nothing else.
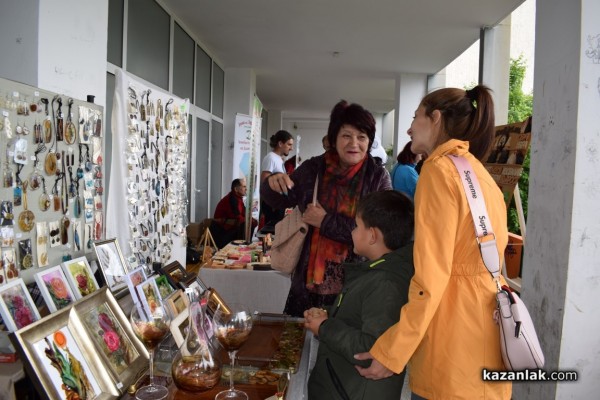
392, 213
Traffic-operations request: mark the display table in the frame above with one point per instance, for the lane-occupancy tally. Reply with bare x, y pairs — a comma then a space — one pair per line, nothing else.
297, 388
264, 291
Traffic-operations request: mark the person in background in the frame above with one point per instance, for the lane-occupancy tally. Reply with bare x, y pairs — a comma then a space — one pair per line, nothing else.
230, 215
346, 172
404, 175
290, 164
282, 143
378, 152
446, 329
373, 293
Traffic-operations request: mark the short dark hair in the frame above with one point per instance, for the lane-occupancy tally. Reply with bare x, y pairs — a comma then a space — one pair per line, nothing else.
350, 114
406, 156
279, 136
236, 183
392, 213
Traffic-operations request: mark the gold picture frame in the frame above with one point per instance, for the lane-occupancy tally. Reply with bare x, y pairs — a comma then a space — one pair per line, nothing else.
215, 301
110, 333
177, 302
59, 341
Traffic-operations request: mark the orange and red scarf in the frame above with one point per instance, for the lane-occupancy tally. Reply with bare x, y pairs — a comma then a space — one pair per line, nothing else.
339, 192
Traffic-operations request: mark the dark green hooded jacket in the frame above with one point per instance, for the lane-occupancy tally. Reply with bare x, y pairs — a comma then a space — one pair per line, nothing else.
370, 302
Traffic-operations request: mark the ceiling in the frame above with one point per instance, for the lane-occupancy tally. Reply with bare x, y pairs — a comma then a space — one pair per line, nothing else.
309, 54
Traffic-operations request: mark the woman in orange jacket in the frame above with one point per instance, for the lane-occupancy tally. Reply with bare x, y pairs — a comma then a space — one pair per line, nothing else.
446, 329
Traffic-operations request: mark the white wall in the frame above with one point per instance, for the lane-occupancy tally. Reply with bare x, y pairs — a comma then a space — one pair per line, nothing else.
19, 41
72, 47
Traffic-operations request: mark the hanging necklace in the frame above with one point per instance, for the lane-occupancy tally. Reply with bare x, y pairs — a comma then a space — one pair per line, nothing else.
51, 161
70, 129
47, 122
35, 179
44, 201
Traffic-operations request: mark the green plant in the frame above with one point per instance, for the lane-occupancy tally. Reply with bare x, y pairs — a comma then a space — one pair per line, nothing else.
520, 106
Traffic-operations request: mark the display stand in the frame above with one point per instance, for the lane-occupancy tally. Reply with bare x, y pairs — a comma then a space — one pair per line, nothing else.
504, 162
208, 242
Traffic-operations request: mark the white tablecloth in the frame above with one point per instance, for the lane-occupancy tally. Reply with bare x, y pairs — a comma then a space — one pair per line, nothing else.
264, 291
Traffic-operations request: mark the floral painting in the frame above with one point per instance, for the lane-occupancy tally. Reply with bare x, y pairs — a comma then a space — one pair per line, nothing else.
55, 289
164, 288
67, 369
148, 292
109, 337
133, 279
17, 308
80, 276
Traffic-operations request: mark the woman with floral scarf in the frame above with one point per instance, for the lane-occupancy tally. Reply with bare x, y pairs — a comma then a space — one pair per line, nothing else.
346, 172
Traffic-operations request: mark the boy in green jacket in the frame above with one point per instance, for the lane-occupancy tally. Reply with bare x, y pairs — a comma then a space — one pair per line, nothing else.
373, 294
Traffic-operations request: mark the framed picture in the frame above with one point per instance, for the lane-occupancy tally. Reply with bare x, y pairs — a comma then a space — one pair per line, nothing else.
215, 301
164, 288
134, 278
16, 306
55, 288
179, 327
61, 362
111, 263
177, 302
109, 330
149, 296
80, 277
175, 273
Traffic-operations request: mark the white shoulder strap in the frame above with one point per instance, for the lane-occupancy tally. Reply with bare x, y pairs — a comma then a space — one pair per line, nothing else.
483, 226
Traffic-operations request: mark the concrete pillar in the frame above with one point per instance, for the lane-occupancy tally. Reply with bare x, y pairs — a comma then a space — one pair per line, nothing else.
410, 89
240, 86
561, 268
494, 66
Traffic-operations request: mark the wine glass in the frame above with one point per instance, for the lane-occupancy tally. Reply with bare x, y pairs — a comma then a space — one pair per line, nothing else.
282, 385
232, 328
151, 328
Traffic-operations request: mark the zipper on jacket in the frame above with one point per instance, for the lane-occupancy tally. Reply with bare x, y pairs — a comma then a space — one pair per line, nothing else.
339, 302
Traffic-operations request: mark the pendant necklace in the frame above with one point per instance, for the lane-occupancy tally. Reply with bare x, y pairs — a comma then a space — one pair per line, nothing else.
51, 161
44, 201
70, 129
26, 218
47, 136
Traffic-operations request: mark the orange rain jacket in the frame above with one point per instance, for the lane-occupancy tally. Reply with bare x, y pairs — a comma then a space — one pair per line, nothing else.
446, 329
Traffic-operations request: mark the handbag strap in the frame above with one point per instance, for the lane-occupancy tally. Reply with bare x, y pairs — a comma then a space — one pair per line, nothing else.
481, 220
315, 191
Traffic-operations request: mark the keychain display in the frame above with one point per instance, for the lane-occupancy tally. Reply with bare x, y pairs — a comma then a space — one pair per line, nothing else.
42, 220
156, 186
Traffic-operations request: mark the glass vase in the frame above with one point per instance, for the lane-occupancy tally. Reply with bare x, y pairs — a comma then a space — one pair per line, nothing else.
196, 368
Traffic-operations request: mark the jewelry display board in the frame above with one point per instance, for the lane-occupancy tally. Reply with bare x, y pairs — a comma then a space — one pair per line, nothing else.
52, 191
148, 186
